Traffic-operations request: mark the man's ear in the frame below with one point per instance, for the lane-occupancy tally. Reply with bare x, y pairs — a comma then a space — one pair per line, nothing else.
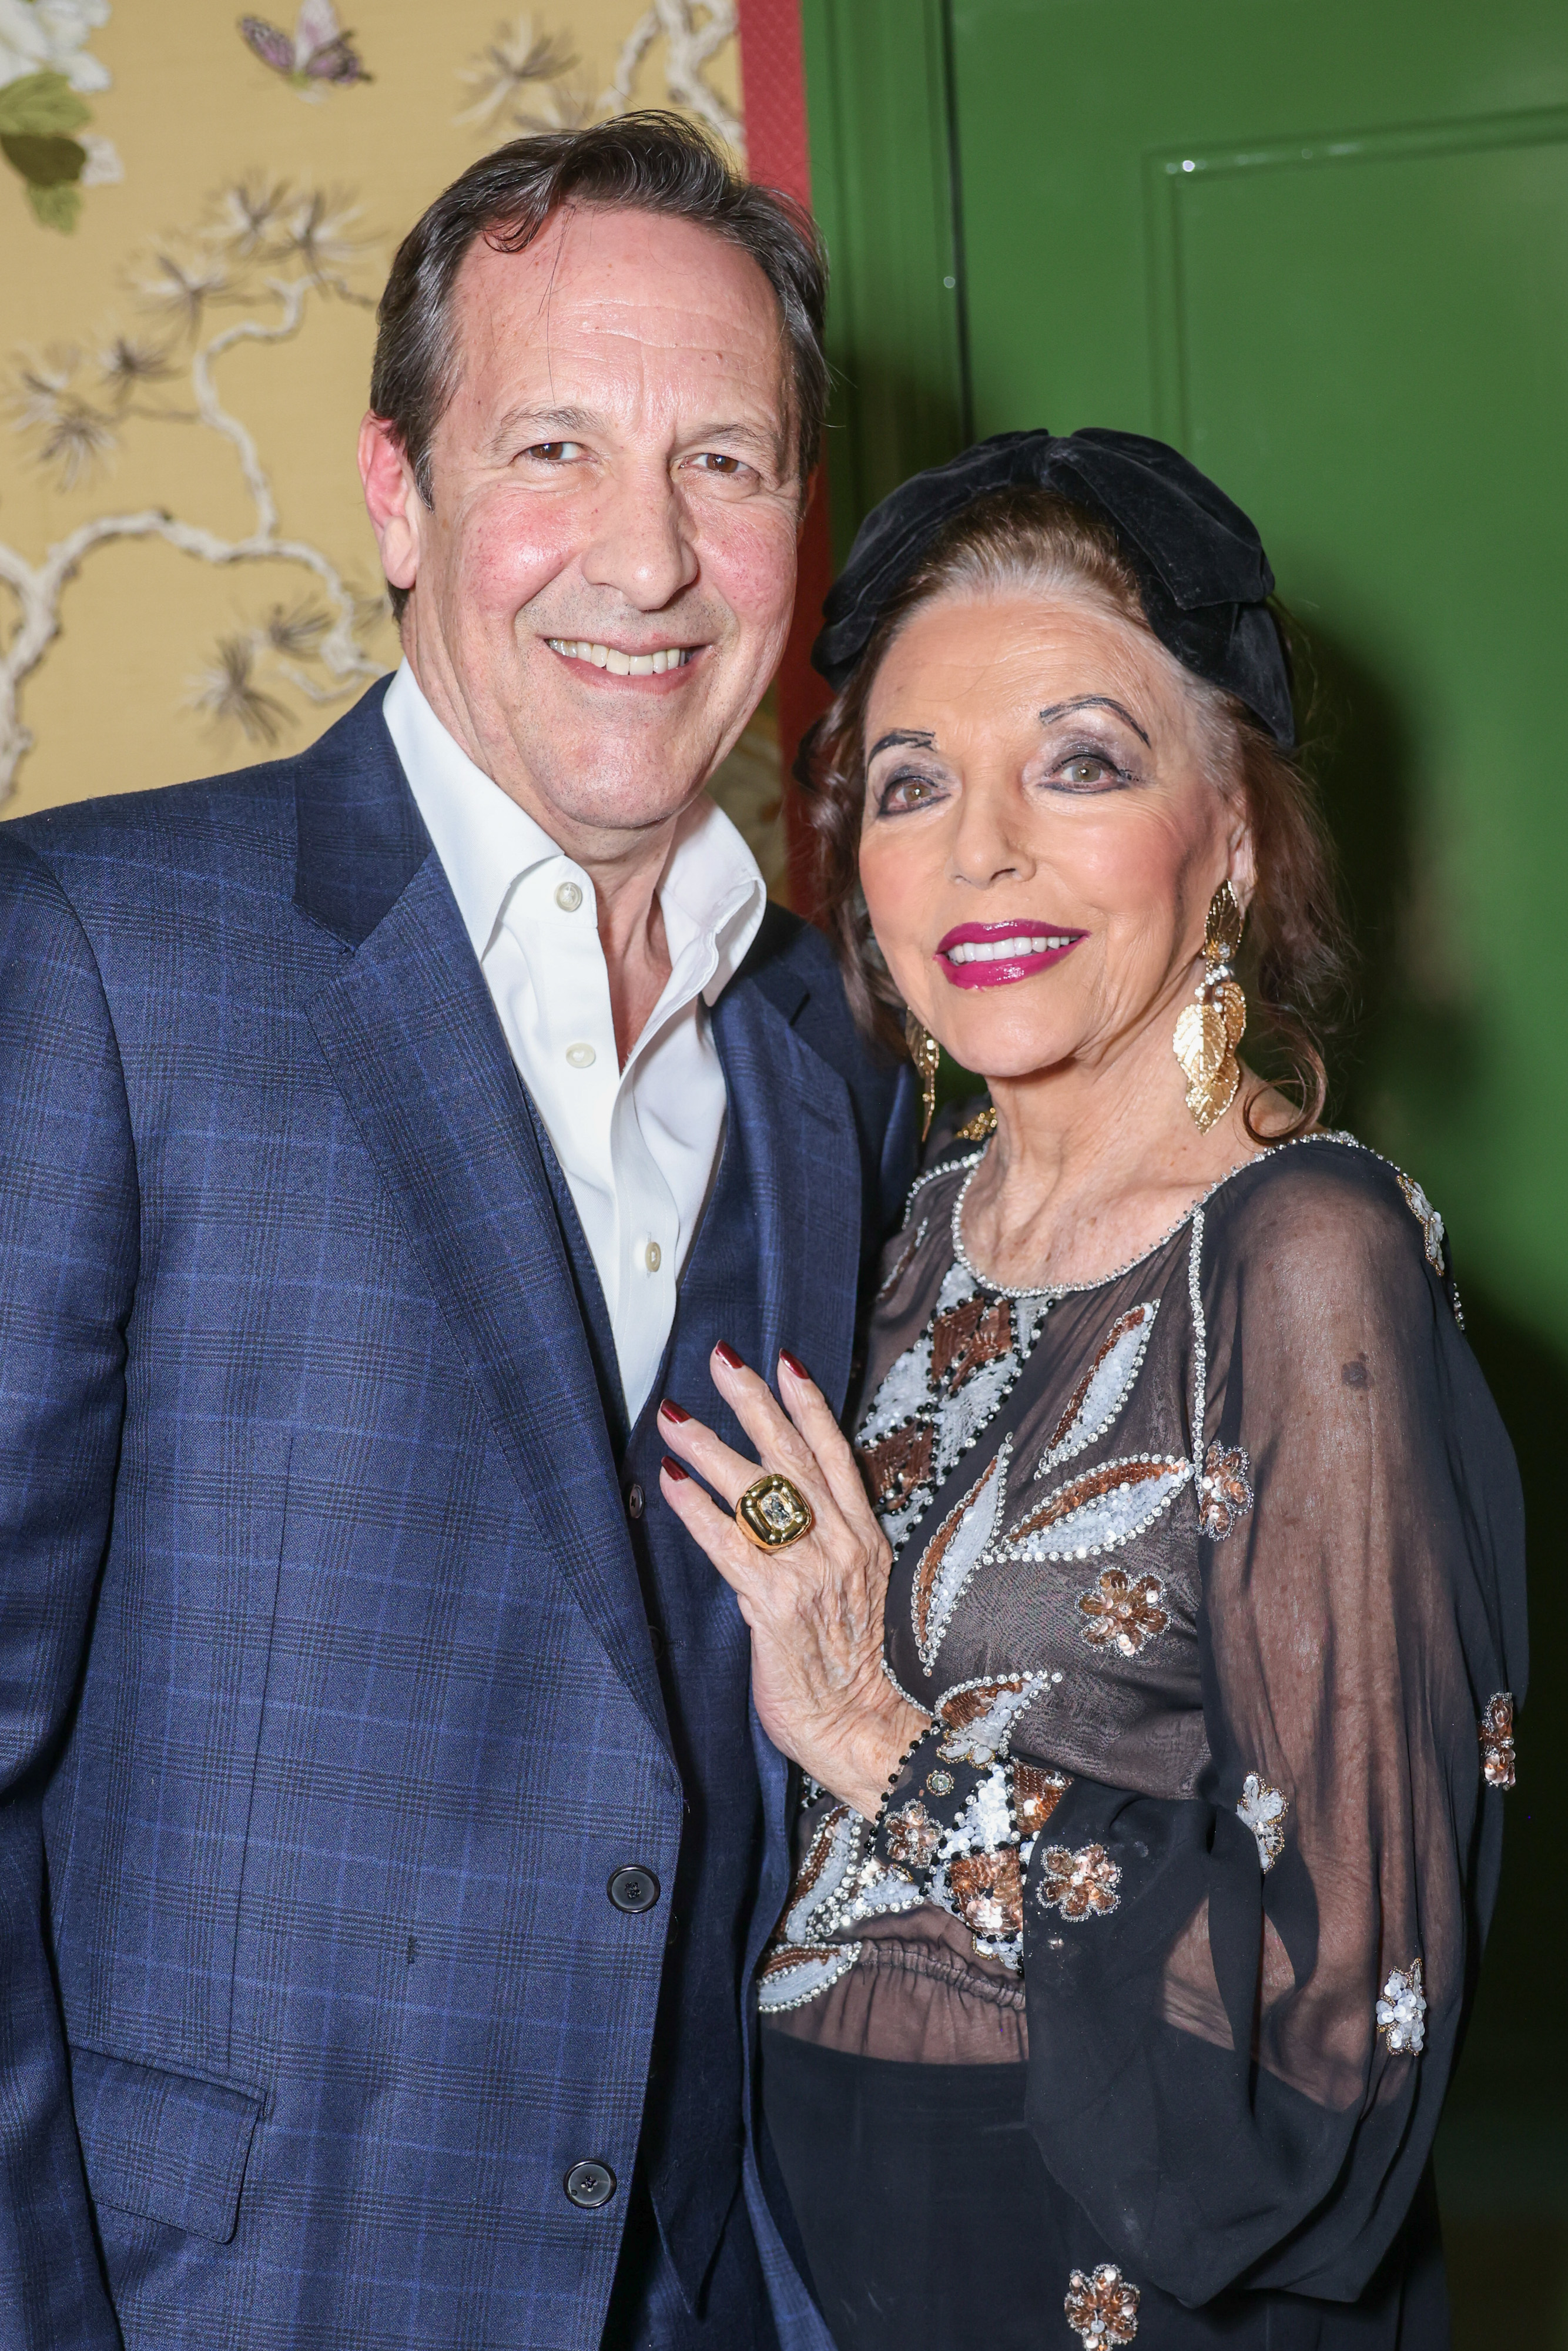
392, 500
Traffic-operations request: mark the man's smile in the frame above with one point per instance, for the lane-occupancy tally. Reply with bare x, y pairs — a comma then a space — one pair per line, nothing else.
619, 660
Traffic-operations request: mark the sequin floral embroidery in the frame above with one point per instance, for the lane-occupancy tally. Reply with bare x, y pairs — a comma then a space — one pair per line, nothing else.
1225, 1490
1402, 2010
988, 1891
1080, 1885
977, 1717
898, 1466
1497, 1740
1102, 2308
913, 1836
953, 1553
1098, 1511
1427, 1216
941, 1393
966, 1338
1097, 1400
1036, 1795
1123, 1611
1263, 1809
797, 1968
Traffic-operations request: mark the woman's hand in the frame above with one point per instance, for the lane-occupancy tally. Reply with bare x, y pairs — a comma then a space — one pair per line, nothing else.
815, 1608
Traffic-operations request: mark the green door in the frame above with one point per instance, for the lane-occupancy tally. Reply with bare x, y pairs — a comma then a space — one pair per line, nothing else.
1323, 246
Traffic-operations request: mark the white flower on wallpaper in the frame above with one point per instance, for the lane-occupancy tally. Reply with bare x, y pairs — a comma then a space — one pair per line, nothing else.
267, 252
46, 71
51, 37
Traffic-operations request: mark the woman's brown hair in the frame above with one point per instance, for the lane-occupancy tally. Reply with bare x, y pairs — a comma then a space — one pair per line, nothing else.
1296, 956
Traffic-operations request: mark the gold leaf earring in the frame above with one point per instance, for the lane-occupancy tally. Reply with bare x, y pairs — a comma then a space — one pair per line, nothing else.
1208, 1033
927, 1055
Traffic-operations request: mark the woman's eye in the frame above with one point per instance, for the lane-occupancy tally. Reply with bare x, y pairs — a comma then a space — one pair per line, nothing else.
907, 792
1085, 771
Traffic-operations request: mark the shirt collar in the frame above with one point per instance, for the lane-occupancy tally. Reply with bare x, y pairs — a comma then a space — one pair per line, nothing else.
712, 894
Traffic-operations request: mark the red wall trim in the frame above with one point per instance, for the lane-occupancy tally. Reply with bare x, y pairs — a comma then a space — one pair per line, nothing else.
778, 152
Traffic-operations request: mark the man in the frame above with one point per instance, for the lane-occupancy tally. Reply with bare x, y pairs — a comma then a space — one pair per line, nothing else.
386, 1843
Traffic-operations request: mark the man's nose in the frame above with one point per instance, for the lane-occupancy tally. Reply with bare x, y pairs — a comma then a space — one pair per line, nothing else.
642, 546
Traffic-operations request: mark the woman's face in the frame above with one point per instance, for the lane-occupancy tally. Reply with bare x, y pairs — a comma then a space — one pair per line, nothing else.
1040, 839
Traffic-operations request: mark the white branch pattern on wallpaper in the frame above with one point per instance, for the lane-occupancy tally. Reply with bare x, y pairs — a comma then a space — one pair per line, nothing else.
523, 77
687, 48
273, 250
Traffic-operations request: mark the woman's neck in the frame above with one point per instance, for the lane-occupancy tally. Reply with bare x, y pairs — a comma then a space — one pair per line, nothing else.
1092, 1163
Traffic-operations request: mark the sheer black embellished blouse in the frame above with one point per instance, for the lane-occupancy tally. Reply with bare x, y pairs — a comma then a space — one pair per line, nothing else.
1210, 1575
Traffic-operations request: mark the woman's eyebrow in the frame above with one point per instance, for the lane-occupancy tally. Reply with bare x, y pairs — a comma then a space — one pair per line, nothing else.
1094, 702
906, 738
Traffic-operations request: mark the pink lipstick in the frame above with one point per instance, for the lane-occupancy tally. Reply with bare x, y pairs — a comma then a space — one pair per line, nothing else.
993, 955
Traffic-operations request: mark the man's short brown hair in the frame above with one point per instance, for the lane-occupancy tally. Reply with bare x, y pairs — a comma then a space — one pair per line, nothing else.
650, 163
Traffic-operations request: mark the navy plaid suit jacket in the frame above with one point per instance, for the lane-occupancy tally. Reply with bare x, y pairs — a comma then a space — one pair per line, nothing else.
327, 1696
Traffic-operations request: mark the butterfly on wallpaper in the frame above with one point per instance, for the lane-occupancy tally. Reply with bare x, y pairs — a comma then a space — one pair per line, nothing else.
317, 56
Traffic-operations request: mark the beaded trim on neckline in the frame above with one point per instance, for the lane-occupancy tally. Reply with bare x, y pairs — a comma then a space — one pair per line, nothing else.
1051, 1290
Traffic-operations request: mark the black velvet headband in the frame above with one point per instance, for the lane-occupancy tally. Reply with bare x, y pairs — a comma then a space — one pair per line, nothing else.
1200, 564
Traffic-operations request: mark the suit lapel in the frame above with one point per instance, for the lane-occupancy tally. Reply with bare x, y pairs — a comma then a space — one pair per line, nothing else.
790, 1116
410, 1035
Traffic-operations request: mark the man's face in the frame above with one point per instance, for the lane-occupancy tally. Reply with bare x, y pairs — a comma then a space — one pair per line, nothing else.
613, 482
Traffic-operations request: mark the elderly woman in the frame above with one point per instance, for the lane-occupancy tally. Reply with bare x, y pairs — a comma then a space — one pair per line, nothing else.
1148, 1660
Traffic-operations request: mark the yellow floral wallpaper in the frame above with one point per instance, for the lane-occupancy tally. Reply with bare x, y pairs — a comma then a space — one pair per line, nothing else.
197, 208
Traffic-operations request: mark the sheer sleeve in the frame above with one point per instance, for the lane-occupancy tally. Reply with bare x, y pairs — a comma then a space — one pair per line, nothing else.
1243, 2009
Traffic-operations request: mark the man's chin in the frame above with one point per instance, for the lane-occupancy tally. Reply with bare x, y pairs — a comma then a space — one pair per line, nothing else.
634, 797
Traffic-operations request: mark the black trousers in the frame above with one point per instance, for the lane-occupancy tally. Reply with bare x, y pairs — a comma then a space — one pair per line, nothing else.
929, 2221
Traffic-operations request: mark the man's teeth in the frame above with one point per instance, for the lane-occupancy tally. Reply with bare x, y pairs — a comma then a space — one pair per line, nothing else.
618, 663
1006, 950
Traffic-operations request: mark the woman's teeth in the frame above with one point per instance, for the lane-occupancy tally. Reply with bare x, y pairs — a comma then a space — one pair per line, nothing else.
618, 663
1006, 950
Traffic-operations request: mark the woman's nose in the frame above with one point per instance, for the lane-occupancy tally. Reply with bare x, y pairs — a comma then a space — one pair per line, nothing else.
987, 845
641, 547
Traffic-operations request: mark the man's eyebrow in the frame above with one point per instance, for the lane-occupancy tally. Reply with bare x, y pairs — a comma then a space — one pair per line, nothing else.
1094, 702
543, 424
908, 738
544, 420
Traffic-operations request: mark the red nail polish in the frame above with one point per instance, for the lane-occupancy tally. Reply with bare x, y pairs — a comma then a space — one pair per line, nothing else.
673, 1412
728, 1355
794, 1363
673, 1471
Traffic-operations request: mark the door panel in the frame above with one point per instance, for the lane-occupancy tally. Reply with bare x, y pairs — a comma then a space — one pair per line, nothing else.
1324, 250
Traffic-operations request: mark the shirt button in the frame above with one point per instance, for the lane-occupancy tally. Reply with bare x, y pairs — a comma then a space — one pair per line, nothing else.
634, 1887
652, 1256
581, 1057
568, 897
634, 1502
590, 2185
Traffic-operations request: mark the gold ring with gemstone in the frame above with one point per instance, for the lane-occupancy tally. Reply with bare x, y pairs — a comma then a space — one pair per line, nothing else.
773, 1514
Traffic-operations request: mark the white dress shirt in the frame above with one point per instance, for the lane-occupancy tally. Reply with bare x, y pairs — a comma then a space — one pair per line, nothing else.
638, 1146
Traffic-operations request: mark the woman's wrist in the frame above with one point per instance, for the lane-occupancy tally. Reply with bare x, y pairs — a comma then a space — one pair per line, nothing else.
874, 1752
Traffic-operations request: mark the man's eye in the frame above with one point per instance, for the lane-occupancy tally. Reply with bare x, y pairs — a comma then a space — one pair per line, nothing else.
714, 461
555, 452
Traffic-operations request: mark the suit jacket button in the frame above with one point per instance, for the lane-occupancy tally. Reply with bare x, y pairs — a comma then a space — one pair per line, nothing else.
634, 1502
590, 2185
634, 1887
